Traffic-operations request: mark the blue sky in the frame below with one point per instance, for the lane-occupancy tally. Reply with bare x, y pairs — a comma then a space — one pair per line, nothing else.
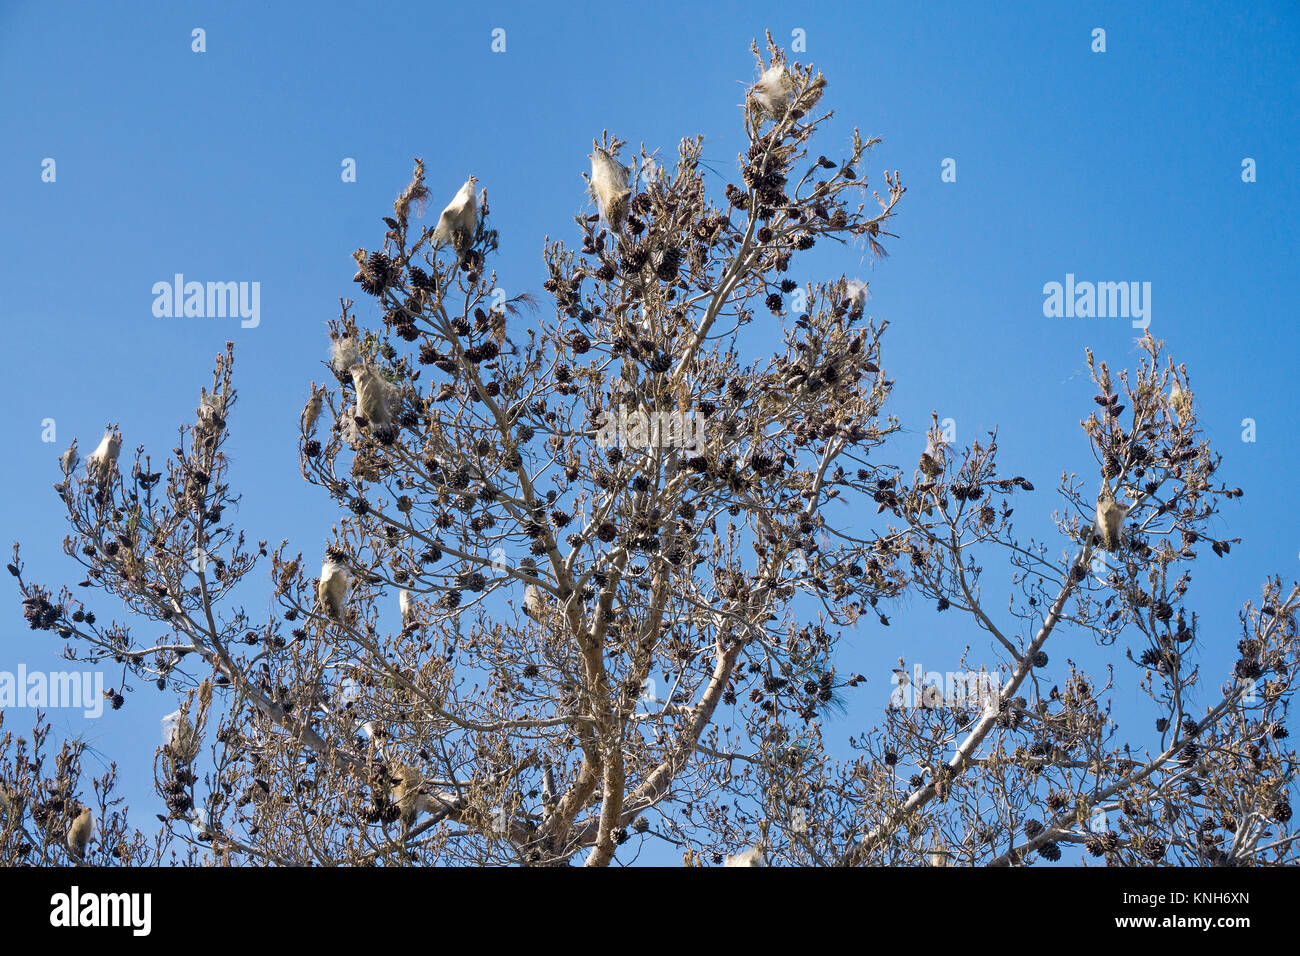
225, 166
